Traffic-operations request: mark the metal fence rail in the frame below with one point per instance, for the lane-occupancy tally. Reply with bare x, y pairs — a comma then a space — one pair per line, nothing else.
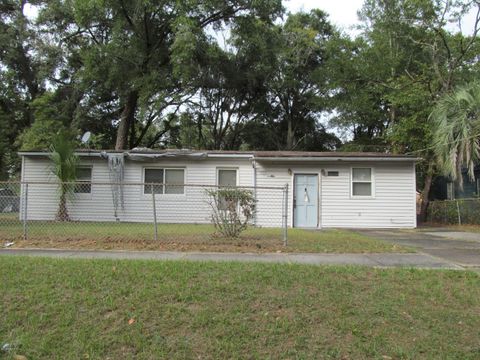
108, 213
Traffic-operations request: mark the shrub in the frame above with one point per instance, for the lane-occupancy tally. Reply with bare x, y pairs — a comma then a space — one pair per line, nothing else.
449, 211
232, 210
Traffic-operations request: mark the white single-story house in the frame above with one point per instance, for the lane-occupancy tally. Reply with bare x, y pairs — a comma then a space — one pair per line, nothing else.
325, 189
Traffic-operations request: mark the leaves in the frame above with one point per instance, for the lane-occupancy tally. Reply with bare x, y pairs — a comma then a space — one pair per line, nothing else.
456, 120
232, 210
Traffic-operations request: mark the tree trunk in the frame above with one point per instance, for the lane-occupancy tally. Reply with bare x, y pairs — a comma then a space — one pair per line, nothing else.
290, 135
425, 193
126, 120
62, 214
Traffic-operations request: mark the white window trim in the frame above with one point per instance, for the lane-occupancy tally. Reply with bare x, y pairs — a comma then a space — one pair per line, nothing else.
372, 182
217, 172
163, 181
83, 195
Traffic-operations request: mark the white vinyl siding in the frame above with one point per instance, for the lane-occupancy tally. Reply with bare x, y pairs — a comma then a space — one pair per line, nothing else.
393, 205
189, 207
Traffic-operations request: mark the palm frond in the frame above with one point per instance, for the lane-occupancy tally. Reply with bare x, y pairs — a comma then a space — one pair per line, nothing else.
456, 122
64, 160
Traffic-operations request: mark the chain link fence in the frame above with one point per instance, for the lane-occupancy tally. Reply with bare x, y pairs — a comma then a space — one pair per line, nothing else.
454, 212
141, 215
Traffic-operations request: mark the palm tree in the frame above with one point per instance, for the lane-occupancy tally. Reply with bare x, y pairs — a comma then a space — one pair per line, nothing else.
65, 169
456, 121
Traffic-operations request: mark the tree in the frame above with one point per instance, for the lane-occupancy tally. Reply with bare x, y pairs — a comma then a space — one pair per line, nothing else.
404, 60
131, 51
64, 167
20, 81
297, 88
456, 120
50, 121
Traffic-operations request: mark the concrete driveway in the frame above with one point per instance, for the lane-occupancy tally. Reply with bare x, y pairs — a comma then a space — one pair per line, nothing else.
459, 247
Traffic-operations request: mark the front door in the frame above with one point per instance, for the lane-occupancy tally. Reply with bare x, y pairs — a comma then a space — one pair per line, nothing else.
305, 201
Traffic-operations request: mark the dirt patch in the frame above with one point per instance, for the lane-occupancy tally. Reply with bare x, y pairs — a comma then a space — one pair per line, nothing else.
207, 245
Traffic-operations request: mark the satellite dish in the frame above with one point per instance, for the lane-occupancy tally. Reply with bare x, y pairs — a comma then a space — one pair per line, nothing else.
86, 137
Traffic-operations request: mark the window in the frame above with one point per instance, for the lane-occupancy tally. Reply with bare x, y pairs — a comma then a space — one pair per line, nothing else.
227, 177
170, 181
153, 176
174, 181
84, 180
362, 181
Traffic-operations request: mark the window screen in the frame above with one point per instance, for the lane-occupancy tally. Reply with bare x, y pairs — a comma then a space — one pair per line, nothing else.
174, 181
361, 182
154, 176
227, 177
84, 180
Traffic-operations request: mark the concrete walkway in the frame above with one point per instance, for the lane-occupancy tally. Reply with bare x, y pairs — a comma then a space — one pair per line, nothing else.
375, 260
458, 247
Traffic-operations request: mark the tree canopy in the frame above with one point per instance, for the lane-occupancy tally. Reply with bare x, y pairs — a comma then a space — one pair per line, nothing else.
230, 74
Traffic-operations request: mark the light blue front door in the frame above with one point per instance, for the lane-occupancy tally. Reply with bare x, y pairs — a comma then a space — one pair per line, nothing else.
305, 211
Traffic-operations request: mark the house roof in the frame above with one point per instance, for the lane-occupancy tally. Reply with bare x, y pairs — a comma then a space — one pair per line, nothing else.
145, 154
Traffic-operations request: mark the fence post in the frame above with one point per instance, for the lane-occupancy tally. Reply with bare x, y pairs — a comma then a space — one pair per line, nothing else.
458, 214
154, 214
25, 209
445, 215
285, 217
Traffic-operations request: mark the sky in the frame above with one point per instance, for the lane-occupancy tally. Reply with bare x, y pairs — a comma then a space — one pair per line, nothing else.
342, 13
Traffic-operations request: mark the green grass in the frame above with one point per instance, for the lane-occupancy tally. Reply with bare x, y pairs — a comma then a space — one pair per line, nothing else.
74, 309
186, 237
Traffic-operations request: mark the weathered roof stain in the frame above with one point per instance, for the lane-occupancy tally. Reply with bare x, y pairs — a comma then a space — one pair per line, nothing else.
255, 154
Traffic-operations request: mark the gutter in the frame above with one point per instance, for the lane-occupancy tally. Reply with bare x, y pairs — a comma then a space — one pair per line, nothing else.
153, 156
46, 154
243, 156
250, 156
313, 159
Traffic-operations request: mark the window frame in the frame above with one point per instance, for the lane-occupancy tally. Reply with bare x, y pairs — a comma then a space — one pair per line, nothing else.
371, 182
237, 178
82, 182
165, 169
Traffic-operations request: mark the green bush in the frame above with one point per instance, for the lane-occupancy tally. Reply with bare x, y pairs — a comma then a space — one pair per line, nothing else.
232, 209
447, 212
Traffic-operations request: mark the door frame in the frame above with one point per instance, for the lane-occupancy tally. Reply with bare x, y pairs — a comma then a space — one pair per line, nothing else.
318, 175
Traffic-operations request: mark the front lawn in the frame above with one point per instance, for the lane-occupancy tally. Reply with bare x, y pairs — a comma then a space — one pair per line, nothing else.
103, 309
186, 237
